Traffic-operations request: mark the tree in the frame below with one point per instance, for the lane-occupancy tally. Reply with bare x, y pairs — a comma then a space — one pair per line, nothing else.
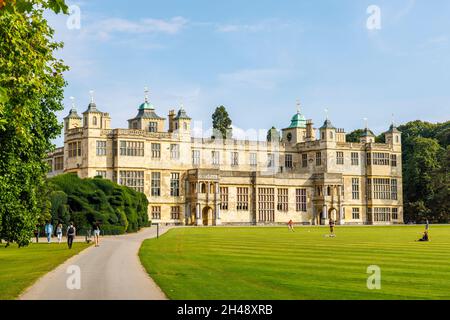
222, 121
31, 90
354, 135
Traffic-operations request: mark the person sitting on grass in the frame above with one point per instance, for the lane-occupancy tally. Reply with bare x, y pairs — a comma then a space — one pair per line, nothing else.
425, 236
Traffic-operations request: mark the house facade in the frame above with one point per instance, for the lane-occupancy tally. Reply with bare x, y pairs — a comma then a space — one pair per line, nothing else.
305, 174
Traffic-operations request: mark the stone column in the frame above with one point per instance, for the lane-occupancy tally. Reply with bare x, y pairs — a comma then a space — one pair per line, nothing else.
199, 221
342, 215
218, 221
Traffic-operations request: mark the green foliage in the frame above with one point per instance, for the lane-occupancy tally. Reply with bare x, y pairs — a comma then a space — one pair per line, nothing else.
31, 91
354, 135
118, 209
222, 122
426, 180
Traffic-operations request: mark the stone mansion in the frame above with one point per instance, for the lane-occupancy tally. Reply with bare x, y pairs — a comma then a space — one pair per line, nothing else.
305, 174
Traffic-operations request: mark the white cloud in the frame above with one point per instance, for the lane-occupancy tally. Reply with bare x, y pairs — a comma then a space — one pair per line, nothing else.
118, 25
265, 25
439, 39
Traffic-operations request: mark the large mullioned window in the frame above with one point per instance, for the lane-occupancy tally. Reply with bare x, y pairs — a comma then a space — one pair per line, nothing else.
132, 179
101, 148
132, 148
74, 149
224, 198
283, 199
175, 184
242, 199
156, 184
266, 202
300, 200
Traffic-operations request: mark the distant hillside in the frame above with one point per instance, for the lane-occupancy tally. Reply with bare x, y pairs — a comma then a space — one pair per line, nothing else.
117, 208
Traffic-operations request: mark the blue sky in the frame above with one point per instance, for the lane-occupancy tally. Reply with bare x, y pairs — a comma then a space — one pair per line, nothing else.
258, 57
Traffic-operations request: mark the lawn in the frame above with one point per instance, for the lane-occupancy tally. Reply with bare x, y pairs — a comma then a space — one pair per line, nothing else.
20, 268
272, 263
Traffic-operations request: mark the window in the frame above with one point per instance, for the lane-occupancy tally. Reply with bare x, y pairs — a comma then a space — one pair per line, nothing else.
234, 158
355, 188
156, 184
156, 150
174, 151
156, 212
153, 127
304, 160
175, 213
196, 157
101, 173
393, 160
175, 184
215, 155
318, 158
394, 195
253, 160
101, 148
382, 214
288, 161
355, 213
300, 200
394, 213
270, 160
75, 149
59, 163
380, 159
242, 199
355, 158
368, 159
380, 188
94, 121
266, 203
132, 148
339, 157
132, 179
283, 199
224, 198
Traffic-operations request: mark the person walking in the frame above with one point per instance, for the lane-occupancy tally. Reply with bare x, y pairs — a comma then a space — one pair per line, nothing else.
96, 234
332, 224
291, 225
49, 231
71, 232
59, 232
36, 233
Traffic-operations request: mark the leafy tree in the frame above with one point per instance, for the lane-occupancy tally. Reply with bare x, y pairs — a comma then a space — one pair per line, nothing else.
354, 135
31, 90
425, 170
222, 121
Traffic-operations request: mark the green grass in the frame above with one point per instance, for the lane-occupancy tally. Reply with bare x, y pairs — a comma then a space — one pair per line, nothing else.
272, 263
20, 268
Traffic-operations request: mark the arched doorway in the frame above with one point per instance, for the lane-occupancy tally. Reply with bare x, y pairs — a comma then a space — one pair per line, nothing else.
207, 216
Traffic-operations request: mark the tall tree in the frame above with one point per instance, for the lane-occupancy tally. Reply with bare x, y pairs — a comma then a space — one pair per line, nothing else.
31, 90
222, 122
